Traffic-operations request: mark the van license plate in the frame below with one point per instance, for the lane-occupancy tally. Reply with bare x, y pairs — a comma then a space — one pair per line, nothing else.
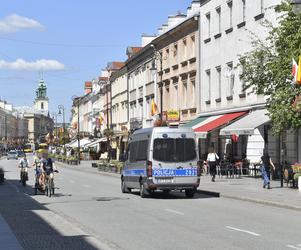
164, 180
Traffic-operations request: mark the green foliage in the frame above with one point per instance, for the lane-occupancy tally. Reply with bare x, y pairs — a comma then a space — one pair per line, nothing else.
267, 69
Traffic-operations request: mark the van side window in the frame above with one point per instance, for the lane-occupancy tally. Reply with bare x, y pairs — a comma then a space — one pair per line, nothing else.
133, 151
142, 150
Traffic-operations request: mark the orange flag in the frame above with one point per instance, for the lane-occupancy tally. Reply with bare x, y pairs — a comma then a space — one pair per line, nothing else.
154, 109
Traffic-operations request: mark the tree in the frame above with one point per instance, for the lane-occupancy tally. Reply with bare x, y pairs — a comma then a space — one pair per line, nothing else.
267, 69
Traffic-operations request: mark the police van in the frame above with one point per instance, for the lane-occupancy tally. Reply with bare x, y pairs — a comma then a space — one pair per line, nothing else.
161, 158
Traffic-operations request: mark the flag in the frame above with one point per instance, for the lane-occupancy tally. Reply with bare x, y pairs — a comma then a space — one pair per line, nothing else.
299, 72
294, 71
154, 110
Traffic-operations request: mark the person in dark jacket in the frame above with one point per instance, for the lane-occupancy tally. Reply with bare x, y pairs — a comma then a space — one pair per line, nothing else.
266, 162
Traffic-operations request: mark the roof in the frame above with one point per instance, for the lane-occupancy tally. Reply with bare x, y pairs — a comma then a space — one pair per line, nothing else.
115, 65
103, 78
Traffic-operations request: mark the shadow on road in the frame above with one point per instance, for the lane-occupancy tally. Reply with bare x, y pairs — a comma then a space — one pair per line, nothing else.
174, 195
22, 213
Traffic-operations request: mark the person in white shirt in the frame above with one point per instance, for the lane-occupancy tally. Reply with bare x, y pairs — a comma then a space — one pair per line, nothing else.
212, 159
23, 165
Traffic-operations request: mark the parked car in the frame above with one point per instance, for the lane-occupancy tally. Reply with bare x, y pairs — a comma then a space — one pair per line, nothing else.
20, 153
12, 155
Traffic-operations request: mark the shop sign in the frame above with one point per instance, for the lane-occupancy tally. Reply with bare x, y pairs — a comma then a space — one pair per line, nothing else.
173, 115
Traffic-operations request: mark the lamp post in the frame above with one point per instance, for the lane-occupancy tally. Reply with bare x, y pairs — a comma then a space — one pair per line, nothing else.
54, 115
296, 4
154, 71
76, 101
62, 111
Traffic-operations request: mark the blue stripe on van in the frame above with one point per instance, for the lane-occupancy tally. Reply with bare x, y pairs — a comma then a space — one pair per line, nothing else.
175, 172
134, 172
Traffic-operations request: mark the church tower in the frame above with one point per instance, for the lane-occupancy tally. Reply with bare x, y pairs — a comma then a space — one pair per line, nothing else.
41, 100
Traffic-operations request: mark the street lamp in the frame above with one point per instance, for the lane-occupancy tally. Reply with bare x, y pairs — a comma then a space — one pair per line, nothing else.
296, 4
76, 100
54, 115
154, 71
62, 111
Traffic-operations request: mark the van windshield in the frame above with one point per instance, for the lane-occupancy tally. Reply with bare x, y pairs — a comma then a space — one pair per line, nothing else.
174, 149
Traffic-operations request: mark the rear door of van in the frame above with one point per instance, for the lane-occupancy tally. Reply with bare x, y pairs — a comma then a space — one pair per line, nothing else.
174, 158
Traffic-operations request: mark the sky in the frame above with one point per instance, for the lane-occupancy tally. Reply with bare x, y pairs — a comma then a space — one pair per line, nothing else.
68, 42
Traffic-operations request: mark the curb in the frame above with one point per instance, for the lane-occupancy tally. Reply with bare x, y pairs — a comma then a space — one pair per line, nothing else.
263, 202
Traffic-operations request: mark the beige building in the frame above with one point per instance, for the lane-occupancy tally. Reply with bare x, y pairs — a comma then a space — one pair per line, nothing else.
177, 69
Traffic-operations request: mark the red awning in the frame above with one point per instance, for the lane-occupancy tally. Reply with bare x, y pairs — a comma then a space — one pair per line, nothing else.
217, 121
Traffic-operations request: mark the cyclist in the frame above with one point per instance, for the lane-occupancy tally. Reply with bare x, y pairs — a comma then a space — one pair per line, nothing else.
23, 165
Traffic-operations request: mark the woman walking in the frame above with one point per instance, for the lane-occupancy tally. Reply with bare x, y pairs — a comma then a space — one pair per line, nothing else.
266, 162
212, 159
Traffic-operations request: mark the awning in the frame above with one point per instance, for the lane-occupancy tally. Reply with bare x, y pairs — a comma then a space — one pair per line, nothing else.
82, 143
210, 123
247, 124
94, 143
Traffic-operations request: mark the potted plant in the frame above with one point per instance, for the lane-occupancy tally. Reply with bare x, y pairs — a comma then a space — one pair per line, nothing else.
1, 175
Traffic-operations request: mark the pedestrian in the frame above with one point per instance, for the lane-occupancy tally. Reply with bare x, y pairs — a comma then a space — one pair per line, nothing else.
212, 160
266, 163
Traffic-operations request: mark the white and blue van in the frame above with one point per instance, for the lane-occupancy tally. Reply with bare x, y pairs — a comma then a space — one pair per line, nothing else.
161, 158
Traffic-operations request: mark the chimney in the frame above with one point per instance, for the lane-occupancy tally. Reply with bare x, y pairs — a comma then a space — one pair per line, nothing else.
194, 9
146, 39
88, 87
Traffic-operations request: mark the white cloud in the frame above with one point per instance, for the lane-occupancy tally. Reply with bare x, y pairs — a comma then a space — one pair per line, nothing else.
42, 64
14, 23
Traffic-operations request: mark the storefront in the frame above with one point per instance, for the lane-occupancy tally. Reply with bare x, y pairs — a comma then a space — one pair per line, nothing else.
208, 128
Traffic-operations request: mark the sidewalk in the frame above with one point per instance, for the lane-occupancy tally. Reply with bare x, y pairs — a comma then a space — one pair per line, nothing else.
7, 238
250, 189
244, 188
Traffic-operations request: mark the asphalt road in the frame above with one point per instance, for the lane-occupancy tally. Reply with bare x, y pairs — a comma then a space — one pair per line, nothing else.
89, 211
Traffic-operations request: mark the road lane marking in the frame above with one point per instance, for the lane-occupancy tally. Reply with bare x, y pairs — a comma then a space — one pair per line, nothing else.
71, 181
86, 186
14, 186
293, 247
173, 211
244, 231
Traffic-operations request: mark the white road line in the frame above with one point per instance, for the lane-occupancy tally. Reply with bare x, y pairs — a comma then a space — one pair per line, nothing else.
174, 211
244, 231
14, 186
71, 181
293, 247
86, 186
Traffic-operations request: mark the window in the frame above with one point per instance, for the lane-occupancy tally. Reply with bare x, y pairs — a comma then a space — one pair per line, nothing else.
242, 70
184, 94
230, 76
208, 80
42, 105
192, 50
208, 24
133, 151
243, 10
174, 150
230, 13
218, 12
175, 50
193, 92
185, 48
142, 150
219, 81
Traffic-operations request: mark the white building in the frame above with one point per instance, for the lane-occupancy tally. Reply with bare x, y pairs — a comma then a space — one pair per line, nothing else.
225, 35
